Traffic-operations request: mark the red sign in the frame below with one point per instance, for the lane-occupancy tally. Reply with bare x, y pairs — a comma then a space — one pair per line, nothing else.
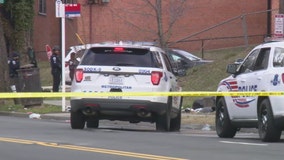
48, 51
72, 10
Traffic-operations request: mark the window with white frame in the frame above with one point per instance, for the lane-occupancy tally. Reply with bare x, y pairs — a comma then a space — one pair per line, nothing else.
42, 6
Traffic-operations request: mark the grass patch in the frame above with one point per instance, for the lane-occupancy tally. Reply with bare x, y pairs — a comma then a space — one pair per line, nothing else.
9, 106
45, 73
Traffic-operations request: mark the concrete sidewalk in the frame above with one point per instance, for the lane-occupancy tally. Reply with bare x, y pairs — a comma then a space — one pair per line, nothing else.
56, 102
57, 116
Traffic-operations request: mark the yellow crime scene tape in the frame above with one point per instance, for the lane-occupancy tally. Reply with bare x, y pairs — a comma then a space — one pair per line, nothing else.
106, 94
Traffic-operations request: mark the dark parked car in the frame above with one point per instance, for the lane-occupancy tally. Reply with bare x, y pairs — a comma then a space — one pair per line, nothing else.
185, 59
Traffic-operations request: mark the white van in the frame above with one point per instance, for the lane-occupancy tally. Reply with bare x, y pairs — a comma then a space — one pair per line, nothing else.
79, 51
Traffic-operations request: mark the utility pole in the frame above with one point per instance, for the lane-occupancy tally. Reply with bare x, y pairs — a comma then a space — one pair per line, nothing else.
281, 6
60, 13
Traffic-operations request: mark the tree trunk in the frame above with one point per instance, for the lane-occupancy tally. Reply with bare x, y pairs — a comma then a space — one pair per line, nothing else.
160, 23
4, 85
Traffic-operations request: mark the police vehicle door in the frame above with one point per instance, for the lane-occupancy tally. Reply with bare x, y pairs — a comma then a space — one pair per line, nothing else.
247, 80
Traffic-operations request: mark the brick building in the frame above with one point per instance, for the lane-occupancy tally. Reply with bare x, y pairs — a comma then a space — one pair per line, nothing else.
199, 25
47, 28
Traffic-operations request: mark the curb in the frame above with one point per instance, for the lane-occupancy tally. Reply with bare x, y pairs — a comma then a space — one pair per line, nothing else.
56, 116
13, 114
66, 117
50, 117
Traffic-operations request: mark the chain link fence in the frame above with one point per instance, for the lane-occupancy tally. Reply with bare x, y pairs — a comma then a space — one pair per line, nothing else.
243, 30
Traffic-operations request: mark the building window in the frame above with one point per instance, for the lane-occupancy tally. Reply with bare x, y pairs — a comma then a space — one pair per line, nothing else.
42, 7
70, 1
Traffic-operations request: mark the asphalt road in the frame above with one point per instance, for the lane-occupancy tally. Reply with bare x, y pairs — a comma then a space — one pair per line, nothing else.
34, 139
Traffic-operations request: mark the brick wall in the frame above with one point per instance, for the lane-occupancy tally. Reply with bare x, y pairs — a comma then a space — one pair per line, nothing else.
133, 20
209, 20
47, 30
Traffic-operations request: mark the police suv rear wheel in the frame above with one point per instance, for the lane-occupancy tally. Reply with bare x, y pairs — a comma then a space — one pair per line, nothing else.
77, 120
92, 122
266, 128
175, 122
164, 120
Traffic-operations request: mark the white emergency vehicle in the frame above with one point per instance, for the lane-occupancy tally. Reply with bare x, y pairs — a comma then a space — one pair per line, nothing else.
126, 67
262, 70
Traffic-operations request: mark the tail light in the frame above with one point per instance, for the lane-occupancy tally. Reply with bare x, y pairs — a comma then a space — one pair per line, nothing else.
156, 77
118, 49
79, 74
282, 76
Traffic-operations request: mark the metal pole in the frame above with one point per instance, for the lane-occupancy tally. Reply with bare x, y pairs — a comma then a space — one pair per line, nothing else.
60, 13
63, 62
202, 48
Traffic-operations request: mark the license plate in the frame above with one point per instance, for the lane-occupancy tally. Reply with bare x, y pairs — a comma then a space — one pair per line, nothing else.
115, 80
114, 97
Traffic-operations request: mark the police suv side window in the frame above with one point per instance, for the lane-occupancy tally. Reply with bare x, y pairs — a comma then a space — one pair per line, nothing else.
157, 59
249, 62
167, 62
278, 57
262, 59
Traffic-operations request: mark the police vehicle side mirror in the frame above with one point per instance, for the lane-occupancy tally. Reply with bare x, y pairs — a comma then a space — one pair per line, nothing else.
232, 68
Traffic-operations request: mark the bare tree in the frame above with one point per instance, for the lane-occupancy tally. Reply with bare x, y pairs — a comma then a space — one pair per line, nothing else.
163, 13
174, 12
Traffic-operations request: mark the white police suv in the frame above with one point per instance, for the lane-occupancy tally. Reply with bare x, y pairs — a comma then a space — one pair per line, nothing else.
262, 70
125, 67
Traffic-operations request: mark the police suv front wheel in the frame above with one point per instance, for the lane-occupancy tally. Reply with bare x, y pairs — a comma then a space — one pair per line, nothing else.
224, 128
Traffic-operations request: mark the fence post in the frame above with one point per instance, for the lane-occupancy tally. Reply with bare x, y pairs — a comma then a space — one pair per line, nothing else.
245, 30
202, 48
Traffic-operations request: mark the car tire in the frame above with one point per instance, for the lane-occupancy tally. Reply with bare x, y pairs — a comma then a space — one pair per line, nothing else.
163, 121
176, 122
268, 132
77, 120
224, 128
92, 122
